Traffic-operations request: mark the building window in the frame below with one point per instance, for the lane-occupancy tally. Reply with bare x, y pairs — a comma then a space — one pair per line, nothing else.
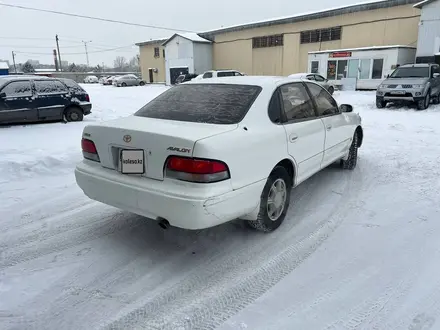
163, 53
320, 35
268, 41
377, 69
315, 67
156, 52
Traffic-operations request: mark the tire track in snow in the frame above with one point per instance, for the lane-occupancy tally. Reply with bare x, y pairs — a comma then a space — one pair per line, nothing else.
159, 312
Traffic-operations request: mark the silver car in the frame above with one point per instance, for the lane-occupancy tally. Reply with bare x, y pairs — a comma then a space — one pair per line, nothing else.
315, 77
419, 83
128, 80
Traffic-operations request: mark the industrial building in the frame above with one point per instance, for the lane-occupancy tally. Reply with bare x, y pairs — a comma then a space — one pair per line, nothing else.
388, 29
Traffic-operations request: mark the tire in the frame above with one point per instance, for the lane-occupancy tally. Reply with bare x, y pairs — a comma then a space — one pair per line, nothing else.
331, 90
142, 83
380, 104
424, 104
436, 99
351, 162
73, 114
124, 85
267, 222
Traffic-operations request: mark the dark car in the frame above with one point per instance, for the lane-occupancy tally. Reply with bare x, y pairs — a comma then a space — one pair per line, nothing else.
35, 99
185, 77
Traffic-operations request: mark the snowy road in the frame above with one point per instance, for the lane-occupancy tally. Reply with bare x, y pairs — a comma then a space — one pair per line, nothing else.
358, 250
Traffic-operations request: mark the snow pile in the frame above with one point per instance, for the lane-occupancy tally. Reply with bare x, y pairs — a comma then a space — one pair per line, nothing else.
55, 148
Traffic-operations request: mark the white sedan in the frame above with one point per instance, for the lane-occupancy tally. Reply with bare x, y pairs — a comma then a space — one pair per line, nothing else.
207, 152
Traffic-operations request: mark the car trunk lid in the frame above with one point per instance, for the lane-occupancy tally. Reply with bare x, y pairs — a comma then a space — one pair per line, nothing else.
158, 139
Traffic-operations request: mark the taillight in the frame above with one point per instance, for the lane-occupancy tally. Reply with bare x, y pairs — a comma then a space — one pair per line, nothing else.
196, 170
89, 150
87, 98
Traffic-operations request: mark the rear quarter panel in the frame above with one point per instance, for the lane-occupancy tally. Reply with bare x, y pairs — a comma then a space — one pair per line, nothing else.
252, 150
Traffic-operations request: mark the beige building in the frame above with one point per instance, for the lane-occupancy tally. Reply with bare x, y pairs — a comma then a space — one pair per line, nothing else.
152, 60
282, 46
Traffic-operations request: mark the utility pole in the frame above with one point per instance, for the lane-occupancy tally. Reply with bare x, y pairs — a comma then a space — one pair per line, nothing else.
87, 53
59, 54
13, 59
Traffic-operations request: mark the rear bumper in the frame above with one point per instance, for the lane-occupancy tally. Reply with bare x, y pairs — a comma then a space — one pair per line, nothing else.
87, 108
184, 206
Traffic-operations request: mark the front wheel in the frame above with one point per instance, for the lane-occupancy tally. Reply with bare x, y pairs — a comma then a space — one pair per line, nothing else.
424, 104
351, 162
436, 99
142, 83
380, 104
274, 201
124, 85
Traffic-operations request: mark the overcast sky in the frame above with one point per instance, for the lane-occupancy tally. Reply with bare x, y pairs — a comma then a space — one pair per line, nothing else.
193, 15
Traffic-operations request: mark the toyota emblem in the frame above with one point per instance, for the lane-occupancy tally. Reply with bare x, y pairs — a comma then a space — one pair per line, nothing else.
127, 138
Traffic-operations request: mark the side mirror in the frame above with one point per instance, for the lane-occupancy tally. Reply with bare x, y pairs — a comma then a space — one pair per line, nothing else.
436, 75
346, 108
2, 95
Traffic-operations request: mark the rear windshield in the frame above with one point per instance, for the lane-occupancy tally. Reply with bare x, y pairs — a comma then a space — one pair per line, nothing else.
202, 103
73, 86
415, 72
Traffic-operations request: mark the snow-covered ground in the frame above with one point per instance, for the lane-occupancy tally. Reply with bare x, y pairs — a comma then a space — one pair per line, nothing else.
358, 250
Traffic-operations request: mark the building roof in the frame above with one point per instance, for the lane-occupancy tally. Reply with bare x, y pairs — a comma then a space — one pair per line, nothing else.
4, 65
194, 37
359, 7
423, 3
263, 81
361, 49
151, 42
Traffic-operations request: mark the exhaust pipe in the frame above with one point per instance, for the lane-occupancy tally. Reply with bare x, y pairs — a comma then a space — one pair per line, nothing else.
164, 224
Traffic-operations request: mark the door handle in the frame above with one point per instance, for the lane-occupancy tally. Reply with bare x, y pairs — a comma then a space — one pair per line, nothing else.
329, 127
293, 137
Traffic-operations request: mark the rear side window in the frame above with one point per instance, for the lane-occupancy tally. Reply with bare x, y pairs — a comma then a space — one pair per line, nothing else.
73, 86
17, 89
225, 74
207, 75
202, 103
49, 87
297, 103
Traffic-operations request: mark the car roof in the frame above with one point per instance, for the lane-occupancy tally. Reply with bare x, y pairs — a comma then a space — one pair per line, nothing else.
418, 65
262, 81
12, 77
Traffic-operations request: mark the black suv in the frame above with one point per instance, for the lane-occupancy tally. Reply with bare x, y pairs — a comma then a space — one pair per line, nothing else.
34, 99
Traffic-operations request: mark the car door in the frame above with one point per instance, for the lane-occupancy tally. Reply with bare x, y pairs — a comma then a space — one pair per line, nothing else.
17, 103
52, 98
337, 128
304, 130
435, 80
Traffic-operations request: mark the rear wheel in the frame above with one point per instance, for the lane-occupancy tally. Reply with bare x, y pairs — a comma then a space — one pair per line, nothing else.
424, 104
274, 202
73, 114
436, 99
331, 90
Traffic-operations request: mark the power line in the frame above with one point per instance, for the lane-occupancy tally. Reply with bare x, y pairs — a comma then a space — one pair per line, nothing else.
35, 47
80, 53
92, 18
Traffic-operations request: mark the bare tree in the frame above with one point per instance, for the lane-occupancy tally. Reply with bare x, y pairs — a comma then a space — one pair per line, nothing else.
120, 63
28, 67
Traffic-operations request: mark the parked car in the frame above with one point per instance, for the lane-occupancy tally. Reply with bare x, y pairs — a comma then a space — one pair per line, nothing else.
34, 99
128, 80
185, 77
103, 79
315, 77
109, 81
219, 73
177, 159
419, 83
91, 80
